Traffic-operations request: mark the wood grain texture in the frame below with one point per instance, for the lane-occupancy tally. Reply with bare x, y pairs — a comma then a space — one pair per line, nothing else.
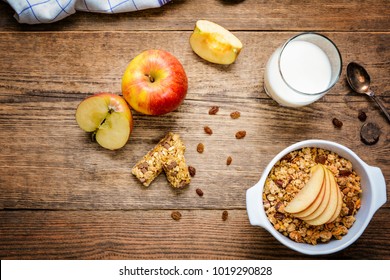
61, 169
64, 197
318, 15
199, 234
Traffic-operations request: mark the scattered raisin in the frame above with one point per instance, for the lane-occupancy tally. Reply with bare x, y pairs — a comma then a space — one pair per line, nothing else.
337, 123
192, 171
208, 130
235, 115
213, 110
200, 148
362, 116
225, 215
240, 134
229, 160
199, 192
176, 215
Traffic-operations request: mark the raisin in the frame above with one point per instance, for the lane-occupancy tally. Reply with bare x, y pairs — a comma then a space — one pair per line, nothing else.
208, 130
235, 115
176, 215
337, 123
199, 192
213, 110
344, 172
225, 215
240, 134
200, 148
192, 171
279, 183
229, 160
362, 116
320, 159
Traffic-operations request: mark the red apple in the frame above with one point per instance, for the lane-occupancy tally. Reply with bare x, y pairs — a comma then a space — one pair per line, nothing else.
108, 116
154, 83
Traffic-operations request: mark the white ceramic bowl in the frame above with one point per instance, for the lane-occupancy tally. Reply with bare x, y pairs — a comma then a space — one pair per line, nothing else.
373, 197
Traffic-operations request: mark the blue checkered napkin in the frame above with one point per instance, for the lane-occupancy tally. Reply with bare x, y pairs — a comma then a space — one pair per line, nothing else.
47, 11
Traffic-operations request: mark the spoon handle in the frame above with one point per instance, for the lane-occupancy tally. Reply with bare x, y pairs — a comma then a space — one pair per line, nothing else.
380, 104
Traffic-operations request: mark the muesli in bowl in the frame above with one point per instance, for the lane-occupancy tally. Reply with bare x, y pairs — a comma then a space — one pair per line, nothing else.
286, 203
290, 175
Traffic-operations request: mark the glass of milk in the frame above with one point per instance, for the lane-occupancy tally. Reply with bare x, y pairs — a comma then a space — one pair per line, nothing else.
302, 70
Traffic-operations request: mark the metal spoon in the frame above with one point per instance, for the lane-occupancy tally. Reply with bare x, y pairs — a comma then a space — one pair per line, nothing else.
359, 80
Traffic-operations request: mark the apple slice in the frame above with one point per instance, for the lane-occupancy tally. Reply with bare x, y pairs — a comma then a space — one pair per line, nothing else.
339, 204
314, 206
331, 206
309, 192
325, 200
214, 43
108, 116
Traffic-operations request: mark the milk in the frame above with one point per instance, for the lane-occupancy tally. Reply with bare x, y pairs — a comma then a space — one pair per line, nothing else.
305, 67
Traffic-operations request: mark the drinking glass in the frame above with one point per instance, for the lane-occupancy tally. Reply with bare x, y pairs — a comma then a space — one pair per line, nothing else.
302, 70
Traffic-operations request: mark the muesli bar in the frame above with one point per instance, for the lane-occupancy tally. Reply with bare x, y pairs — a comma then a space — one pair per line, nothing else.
167, 153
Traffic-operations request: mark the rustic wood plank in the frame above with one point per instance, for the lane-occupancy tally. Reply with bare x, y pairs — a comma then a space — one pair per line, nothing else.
320, 15
198, 234
47, 162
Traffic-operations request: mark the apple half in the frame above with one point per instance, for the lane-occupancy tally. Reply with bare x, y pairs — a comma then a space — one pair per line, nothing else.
309, 192
108, 117
214, 43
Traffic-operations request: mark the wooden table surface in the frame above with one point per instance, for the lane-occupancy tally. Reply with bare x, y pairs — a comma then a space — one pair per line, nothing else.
64, 197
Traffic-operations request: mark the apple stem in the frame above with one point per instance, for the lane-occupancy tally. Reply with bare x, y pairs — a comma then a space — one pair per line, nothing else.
151, 79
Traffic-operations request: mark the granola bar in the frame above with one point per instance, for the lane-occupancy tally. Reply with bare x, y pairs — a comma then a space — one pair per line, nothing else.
176, 171
149, 167
167, 155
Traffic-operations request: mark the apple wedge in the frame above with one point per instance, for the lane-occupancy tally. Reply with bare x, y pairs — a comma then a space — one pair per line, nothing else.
330, 209
108, 116
339, 204
324, 203
314, 206
309, 192
214, 43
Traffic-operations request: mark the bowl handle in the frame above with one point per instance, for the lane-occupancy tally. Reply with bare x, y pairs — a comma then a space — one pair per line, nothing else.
253, 204
379, 187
